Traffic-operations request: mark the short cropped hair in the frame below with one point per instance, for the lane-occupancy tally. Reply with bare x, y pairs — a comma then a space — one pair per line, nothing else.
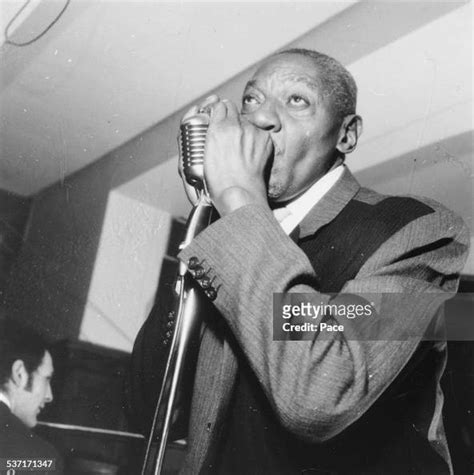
18, 342
337, 82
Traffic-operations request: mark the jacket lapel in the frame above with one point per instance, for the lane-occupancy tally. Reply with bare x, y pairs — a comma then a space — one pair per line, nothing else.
217, 363
330, 205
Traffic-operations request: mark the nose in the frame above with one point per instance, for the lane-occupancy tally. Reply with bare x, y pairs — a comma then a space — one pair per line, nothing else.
266, 117
49, 394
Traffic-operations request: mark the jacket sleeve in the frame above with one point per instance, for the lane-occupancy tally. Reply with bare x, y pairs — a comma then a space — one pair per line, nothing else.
319, 387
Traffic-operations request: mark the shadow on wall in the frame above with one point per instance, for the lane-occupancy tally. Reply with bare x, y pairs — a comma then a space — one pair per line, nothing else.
49, 282
51, 278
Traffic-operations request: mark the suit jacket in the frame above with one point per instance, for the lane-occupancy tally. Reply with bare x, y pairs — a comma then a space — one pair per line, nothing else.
320, 389
17, 441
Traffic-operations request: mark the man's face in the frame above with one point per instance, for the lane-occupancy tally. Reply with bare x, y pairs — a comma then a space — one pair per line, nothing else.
285, 98
31, 398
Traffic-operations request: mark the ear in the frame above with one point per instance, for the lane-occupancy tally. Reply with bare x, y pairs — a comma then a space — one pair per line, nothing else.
19, 374
351, 129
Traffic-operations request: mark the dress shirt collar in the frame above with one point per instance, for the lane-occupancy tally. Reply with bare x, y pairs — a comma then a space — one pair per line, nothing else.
5, 400
302, 205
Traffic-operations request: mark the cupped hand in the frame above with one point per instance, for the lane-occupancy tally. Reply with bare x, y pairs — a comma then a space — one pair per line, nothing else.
235, 159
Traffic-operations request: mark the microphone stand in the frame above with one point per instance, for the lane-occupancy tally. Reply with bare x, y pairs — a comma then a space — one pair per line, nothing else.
186, 323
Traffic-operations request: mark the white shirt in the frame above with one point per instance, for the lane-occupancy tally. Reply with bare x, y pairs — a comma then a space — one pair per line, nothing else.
301, 206
5, 400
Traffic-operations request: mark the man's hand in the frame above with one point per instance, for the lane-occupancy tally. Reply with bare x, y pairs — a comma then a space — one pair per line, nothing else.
236, 155
235, 159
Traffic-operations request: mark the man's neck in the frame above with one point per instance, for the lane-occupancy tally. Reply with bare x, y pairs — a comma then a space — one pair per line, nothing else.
281, 204
299, 208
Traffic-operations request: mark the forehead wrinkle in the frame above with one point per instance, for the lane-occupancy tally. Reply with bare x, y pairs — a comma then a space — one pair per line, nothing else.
307, 81
287, 79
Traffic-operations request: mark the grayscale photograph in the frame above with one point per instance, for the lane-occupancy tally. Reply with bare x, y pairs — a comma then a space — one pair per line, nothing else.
236, 237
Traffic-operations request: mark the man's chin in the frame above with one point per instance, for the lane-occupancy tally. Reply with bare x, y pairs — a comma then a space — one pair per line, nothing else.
33, 419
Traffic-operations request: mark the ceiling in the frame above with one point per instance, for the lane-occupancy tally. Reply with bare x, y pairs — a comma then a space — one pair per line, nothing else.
108, 70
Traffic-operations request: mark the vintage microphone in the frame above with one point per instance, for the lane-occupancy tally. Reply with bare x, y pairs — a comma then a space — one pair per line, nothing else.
192, 144
192, 141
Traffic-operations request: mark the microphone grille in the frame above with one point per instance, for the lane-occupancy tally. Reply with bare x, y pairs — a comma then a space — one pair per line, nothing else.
192, 147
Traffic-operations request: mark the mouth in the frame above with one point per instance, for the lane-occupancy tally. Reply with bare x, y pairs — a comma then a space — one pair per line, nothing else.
269, 165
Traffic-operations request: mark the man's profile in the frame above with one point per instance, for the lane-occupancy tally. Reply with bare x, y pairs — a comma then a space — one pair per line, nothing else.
293, 220
26, 369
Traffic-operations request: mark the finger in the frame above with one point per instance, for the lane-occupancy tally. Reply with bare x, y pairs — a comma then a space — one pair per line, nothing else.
232, 111
245, 122
192, 111
209, 101
219, 112
205, 107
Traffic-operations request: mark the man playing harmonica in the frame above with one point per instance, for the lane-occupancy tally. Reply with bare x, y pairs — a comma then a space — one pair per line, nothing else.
293, 220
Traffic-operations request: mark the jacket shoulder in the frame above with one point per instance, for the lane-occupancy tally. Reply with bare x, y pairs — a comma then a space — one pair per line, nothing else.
411, 206
16, 440
432, 242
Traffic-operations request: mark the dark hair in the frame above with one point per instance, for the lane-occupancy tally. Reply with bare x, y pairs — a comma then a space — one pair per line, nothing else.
18, 342
336, 81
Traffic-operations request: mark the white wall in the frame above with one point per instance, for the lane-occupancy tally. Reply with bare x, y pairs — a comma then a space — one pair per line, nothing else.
126, 271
